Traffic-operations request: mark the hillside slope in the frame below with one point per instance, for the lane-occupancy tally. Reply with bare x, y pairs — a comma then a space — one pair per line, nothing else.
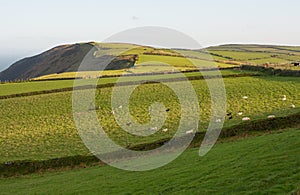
65, 58
58, 59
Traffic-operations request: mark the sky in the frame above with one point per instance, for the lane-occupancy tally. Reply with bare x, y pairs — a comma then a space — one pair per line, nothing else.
33, 26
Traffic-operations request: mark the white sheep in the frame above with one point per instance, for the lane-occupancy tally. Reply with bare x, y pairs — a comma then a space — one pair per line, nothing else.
218, 120
112, 112
246, 119
245, 97
165, 130
271, 116
284, 98
120, 106
293, 106
189, 131
153, 128
240, 113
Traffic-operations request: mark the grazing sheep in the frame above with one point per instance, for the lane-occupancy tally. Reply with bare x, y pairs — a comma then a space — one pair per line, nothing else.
189, 131
120, 106
284, 98
112, 112
271, 116
293, 106
165, 130
245, 97
8, 163
153, 128
219, 120
245, 119
240, 113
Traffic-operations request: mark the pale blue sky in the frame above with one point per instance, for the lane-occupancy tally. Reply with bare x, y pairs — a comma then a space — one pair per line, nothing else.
32, 26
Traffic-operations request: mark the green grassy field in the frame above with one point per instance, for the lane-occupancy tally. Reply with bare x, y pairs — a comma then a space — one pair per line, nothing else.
146, 64
242, 56
276, 56
41, 127
26, 87
178, 62
267, 164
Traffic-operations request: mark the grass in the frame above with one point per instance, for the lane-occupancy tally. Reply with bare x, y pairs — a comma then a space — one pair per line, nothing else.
83, 74
269, 60
259, 54
146, 64
267, 164
241, 56
42, 127
176, 61
200, 54
25, 87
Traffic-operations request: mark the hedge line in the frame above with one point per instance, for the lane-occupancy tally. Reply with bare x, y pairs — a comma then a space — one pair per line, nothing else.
272, 71
16, 168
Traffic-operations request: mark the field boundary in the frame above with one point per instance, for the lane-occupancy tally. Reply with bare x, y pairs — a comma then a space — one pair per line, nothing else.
126, 75
272, 71
17, 168
107, 85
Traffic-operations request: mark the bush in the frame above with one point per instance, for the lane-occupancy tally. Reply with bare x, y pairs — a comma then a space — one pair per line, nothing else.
272, 71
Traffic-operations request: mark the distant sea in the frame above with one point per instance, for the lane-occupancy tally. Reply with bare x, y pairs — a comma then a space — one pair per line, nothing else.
5, 62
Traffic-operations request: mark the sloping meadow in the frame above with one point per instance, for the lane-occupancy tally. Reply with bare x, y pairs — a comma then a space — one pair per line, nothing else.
42, 127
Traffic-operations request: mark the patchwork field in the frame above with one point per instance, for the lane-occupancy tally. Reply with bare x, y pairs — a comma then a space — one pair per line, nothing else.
157, 60
275, 56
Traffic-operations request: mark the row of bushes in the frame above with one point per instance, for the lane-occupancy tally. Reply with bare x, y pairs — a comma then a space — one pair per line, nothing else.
219, 55
163, 54
10, 169
272, 71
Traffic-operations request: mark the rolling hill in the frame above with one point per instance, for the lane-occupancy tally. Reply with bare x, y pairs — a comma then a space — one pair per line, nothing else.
63, 61
64, 58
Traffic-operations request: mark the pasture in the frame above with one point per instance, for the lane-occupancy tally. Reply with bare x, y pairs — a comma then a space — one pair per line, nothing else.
41, 127
276, 56
267, 164
42, 85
